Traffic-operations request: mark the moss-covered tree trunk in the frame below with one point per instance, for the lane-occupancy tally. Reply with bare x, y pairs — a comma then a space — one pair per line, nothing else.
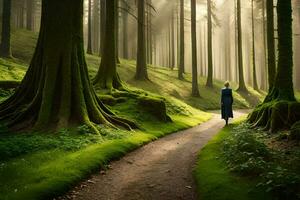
195, 89
182, 45
5, 48
107, 77
56, 91
209, 82
141, 65
255, 85
242, 85
271, 44
89, 42
280, 109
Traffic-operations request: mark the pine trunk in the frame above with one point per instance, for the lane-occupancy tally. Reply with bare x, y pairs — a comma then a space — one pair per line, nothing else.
182, 45
107, 77
5, 47
195, 89
242, 85
209, 82
271, 44
89, 42
141, 65
255, 85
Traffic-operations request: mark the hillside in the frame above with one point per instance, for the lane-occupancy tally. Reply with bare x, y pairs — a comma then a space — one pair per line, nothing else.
163, 81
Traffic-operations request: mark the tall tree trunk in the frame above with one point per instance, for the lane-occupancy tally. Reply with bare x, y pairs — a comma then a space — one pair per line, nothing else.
5, 48
102, 25
107, 77
96, 22
283, 86
271, 44
255, 85
195, 89
125, 31
30, 15
117, 31
242, 85
280, 109
264, 70
182, 45
209, 82
89, 44
172, 38
141, 65
56, 92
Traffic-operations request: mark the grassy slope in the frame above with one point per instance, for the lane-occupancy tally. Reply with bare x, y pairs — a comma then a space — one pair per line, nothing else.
163, 81
215, 181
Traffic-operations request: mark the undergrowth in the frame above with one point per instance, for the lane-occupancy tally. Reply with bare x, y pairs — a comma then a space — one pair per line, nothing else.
247, 153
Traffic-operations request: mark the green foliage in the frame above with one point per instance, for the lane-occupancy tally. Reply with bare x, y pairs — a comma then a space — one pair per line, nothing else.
246, 153
214, 179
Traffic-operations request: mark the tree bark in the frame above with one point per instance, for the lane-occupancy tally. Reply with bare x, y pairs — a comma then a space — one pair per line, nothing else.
125, 31
141, 66
102, 25
182, 45
284, 76
56, 92
195, 89
107, 77
89, 42
29, 15
255, 85
242, 85
271, 44
209, 82
5, 46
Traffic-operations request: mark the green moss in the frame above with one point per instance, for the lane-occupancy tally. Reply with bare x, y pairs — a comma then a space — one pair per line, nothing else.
155, 106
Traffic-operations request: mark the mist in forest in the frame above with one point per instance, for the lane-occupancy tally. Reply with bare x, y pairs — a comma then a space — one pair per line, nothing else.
163, 34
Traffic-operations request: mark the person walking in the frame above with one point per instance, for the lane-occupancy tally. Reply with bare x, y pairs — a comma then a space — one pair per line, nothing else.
226, 102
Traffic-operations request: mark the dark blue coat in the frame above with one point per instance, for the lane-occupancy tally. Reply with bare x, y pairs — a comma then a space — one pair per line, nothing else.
226, 102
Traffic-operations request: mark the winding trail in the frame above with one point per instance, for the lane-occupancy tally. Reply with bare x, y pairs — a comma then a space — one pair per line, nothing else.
161, 170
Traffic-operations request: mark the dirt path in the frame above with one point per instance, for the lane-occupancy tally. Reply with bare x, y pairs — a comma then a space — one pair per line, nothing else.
161, 170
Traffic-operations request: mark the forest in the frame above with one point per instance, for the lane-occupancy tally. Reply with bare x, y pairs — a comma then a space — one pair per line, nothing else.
149, 99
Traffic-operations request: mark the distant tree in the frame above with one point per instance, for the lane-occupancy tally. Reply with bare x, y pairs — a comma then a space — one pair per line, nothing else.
5, 47
255, 85
209, 82
56, 91
30, 15
195, 89
107, 76
242, 85
280, 109
89, 43
182, 44
102, 25
125, 29
141, 65
271, 44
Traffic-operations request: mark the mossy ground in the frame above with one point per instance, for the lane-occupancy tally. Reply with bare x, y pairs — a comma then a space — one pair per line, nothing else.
242, 163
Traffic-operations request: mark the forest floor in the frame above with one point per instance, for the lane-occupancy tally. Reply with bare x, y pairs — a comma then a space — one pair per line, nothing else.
160, 170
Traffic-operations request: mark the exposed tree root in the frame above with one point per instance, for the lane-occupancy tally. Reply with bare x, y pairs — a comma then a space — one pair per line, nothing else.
275, 115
